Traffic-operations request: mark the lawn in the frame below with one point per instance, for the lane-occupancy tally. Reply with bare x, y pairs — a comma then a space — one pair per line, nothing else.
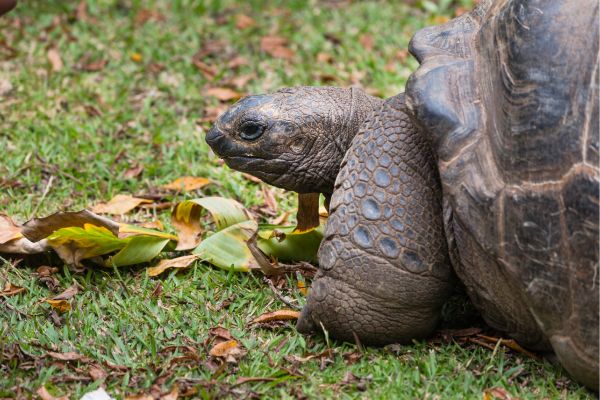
107, 97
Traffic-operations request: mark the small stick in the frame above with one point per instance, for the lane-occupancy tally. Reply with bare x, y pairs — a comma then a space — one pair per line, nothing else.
46, 190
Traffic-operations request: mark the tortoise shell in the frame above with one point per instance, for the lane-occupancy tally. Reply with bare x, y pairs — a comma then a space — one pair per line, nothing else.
508, 95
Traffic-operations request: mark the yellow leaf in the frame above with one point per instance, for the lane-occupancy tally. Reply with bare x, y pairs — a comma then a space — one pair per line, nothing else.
59, 305
179, 262
136, 57
119, 205
187, 183
280, 315
223, 349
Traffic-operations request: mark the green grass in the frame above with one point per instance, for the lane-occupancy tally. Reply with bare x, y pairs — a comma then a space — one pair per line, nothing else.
57, 153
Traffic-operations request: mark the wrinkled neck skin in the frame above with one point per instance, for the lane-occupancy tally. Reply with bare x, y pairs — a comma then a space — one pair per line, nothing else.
307, 133
331, 118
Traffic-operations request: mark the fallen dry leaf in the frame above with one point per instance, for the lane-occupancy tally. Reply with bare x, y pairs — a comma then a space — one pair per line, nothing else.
229, 350
187, 183
366, 41
68, 293
179, 262
45, 395
145, 15
324, 58
172, 395
223, 94
55, 61
96, 372
237, 61
68, 356
9, 230
276, 46
37, 229
497, 393
119, 205
134, 171
244, 22
11, 290
208, 71
59, 305
94, 66
189, 231
279, 315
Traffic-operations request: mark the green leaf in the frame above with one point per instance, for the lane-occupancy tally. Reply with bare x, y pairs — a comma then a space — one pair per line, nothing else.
285, 244
74, 243
138, 250
126, 230
227, 248
225, 212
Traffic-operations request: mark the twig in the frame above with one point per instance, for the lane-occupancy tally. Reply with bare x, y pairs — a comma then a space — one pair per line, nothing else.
46, 190
280, 295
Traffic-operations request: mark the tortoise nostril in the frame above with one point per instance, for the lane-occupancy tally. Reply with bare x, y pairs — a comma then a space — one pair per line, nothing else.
213, 136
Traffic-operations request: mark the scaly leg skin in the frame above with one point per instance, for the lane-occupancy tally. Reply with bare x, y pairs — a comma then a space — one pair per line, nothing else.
384, 267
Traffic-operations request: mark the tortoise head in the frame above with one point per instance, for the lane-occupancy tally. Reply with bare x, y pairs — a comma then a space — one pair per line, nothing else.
294, 138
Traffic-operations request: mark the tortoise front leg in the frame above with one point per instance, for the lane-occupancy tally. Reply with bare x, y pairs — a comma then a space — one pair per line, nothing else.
384, 267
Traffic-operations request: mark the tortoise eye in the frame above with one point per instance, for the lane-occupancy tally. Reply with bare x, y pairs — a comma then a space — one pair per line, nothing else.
251, 130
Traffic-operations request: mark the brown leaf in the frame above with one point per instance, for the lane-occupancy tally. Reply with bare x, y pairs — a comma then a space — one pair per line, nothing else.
45, 395
172, 395
223, 94
220, 333
55, 61
240, 81
189, 232
8, 229
119, 205
366, 41
45, 271
280, 315
187, 183
179, 262
324, 58
134, 171
96, 372
68, 356
39, 228
145, 15
11, 290
237, 61
276, 46
59, 305
208, 71
244, 22
209, 48
497, 393
68, 294
94, 66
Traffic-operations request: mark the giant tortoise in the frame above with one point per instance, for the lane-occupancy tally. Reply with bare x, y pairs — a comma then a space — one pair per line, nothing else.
485, 169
